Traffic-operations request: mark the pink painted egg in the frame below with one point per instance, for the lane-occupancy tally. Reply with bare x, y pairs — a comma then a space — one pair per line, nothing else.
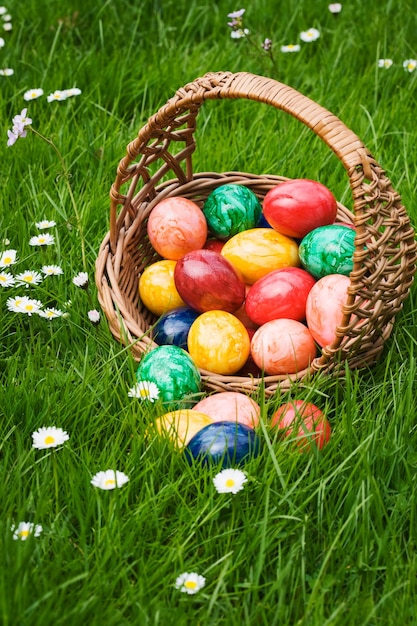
230, 406
280, 294
176, 226
324, 307
283, 346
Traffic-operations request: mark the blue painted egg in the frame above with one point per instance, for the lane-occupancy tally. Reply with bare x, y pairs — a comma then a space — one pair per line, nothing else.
228, 443
173, 327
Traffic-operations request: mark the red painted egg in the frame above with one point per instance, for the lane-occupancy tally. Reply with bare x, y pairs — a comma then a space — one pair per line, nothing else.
303, 421
280, 294
283, 347
206, 281
324, 307
176, 226
214, 244
298, 206
230, 406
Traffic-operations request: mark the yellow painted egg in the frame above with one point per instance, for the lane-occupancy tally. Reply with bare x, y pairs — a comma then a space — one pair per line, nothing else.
218, 342
181, 425
258, 251
157, 288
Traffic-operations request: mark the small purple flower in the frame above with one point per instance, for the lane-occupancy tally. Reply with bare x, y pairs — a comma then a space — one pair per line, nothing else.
266, 45
94, 316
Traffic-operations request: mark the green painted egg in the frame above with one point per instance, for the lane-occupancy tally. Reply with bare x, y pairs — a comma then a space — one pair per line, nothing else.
174, 373
328, 250
231, 209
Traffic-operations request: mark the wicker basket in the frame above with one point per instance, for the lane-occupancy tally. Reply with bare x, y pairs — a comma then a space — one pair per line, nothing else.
158, 164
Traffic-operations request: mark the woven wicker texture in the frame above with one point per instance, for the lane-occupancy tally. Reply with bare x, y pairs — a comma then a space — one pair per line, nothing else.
158, 164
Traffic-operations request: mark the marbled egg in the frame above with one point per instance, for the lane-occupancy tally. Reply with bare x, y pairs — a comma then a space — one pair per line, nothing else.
173, 327
157, 288
324, 307
230, 406
181, 425
231, 209
225, 443
328, 250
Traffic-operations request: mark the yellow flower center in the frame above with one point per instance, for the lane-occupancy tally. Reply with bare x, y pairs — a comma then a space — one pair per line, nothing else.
24, 533
144, 393
41, 239
7, 260
49, 440
190, 584
29, 307
110, 482
230, 482
28, 279
3, 279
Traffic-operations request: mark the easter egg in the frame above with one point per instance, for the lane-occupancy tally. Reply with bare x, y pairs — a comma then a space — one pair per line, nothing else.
283, 346
218, 342
205, 280
297, 206
324, 307
225, 443
258, 251
172, 328
231, 209
230, 406
176, 226
214, 244
181, 425
157, 288
328, 250
173, 371
280, 294
303, 421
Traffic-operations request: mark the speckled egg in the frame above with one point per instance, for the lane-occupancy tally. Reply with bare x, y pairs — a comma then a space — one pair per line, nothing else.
231, 209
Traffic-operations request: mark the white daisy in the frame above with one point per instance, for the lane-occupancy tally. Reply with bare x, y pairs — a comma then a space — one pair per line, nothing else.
410, 65
2, 42
335, 7
309, 35
190, 582
32, 94
291, 48
57, 96
49, 437
94, 316
8, 257
3, 10
42, 240
6, 279
109, 479
229, 481
51, 313
144, 390
24, 529
45, 224
23, 304
7, 26
52, 270
74, 91
28, 277
81, 280
6, 71
386, 63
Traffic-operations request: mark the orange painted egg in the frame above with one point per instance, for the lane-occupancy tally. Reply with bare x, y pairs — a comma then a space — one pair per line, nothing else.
230, 406
258, 251
157, 288
304, 422
324, 307
176, 226
218, 342
283, 346
181, 425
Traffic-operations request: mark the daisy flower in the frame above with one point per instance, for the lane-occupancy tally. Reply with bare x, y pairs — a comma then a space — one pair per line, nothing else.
23, 304
3, 10
94, 316
8, 257
52, 270
410, 65
144, 390
42, 240
57, 96
24, 529
6, 71
32, 94
49, 437
2, 42
6, 279
190, 582
7, 26
81, 280
386, 63
335, 7
6, 17
45, 224
291, 47
51, 313
74, 91
229, 481
309, 35
28, 278
109, 479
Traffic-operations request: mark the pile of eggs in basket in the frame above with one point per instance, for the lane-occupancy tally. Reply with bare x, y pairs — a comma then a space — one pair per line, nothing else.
242, 288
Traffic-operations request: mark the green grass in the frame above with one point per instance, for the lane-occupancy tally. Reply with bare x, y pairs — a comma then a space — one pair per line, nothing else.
319, 539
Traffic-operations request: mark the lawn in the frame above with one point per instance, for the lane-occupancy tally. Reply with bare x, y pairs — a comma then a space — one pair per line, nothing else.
320, 538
